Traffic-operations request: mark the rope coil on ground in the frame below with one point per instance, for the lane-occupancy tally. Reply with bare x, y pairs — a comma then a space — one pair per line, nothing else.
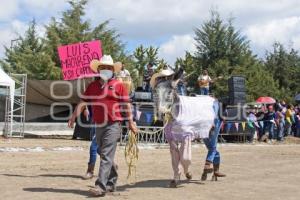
131, 154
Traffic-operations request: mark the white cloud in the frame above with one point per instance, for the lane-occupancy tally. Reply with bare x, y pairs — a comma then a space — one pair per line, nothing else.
176, 47
43, 8
150, 21
18, 27
14, 20
45, 4
133, 11
149, 17
156, 22
10, 32
5, 39
296, 42
285, 31
8, 10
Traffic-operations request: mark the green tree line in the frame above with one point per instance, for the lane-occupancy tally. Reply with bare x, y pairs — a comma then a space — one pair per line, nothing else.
224, 51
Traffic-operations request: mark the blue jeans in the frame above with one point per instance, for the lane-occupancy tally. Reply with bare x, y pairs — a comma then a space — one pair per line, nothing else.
298, 132
213, 155
280, 130
288, 128
269, 127
94, 149
204, 91
181, 89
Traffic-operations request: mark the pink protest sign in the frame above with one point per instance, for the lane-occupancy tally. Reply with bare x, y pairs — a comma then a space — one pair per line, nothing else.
75, 59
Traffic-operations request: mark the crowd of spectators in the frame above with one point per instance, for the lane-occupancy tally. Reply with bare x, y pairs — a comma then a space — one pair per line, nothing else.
274, 121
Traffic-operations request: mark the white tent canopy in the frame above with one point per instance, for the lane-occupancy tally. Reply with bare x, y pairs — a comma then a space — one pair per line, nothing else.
7, 81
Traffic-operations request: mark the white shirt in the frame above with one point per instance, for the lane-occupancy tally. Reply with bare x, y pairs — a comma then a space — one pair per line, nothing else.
205, 78
124, 73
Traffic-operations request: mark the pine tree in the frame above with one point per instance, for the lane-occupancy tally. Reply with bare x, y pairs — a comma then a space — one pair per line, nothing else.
140, 62
28, 56
224, 51
188, 63
111, 43
142, 56
72, 29
152, 57
284, 66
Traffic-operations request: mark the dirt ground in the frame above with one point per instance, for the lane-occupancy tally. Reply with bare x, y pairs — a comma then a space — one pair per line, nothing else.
46, 169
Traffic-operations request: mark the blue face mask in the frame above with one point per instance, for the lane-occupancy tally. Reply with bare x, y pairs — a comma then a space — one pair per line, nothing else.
106, 74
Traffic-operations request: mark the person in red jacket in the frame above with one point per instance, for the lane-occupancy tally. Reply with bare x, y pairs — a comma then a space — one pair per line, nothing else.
108, 98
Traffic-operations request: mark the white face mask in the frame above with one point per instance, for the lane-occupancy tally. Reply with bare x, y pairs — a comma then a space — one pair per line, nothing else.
106, 74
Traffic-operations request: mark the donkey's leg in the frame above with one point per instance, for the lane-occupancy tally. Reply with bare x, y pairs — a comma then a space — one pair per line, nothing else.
186, 156
175, 158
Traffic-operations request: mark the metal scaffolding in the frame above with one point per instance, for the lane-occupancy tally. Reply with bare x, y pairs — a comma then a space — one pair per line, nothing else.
15, 117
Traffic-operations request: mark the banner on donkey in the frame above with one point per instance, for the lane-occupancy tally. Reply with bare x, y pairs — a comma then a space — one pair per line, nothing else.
75, 59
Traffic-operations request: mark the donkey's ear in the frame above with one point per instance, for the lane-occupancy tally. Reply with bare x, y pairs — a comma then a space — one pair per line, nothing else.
176, 77
178, 74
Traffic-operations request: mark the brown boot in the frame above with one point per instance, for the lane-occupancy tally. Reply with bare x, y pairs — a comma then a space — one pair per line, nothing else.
217, 173
207, 170
90, 172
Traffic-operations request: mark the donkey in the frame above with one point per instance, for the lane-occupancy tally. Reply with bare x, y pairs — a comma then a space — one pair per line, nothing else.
188, 118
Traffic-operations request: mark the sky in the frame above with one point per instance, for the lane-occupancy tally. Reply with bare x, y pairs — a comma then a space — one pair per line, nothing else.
167, 24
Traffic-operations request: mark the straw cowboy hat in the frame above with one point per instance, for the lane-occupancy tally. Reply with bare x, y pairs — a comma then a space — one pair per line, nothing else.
106, 60
162, 73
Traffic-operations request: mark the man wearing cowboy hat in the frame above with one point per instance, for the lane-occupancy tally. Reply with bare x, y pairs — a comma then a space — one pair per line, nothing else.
108, 97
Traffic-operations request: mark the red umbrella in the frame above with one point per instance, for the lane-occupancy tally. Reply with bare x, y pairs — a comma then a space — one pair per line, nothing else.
266, 100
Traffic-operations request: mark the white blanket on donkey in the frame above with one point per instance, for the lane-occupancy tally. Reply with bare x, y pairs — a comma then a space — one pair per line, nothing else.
195, 117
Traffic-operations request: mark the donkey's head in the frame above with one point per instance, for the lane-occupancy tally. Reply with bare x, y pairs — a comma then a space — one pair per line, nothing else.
164, 89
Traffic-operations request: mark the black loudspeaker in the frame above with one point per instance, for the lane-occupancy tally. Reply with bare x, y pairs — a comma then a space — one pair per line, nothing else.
237, 90
236, 84
235, 113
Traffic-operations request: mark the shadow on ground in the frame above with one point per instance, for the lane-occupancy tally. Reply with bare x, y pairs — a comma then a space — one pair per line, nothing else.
45, 175
159, 183
55, 190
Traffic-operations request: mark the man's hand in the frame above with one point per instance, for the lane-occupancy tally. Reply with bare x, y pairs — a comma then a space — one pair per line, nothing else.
86, 114
211, 131
71, 122
132, 127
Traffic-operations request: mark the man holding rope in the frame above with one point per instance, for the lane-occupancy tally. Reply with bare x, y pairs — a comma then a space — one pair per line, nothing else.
108, 98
